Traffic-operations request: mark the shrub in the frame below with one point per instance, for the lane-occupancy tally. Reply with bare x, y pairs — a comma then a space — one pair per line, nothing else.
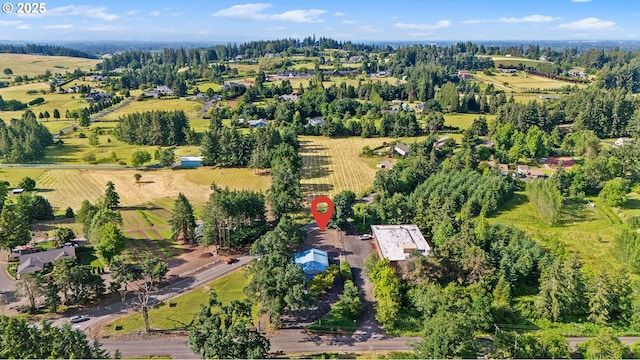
634, 222
325, 280
345, 270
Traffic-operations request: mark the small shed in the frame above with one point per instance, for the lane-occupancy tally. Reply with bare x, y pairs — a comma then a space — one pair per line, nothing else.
401, 149
191, 161
17, 191
313, 261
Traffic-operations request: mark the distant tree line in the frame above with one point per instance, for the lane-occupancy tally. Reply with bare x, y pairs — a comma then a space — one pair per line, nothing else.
39, 49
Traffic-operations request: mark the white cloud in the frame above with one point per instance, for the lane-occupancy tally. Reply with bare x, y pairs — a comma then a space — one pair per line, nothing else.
302, 16
155, 13
439, 25
245, 11
85, 10
59, 27
369, 29
473, 21
255, 11
529, 19
590, 23
77, 10
23, 27
10, 23
349, 22
394, 17
132, 12
338, 13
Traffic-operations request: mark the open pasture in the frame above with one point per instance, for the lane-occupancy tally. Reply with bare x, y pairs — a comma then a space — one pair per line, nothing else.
515, 61
32, 65
521, 81
191, 108
69, 187
62, 102
464, 121
584, 230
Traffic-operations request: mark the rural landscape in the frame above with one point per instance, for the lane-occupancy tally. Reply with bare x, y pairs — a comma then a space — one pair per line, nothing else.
157, 198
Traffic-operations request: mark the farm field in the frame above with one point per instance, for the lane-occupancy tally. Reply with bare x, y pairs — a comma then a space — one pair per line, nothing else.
333, 165
522, 81
514, 61
69, 187
187, 306
464, 121
586, 231
191, 108
32, 65
62, 102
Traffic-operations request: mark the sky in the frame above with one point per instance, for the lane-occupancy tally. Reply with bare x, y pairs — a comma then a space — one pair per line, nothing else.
356, 20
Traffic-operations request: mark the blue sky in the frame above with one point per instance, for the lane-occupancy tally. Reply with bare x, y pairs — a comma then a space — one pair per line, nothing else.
420, 20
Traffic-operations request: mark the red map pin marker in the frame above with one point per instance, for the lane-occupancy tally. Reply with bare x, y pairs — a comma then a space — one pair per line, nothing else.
322, 219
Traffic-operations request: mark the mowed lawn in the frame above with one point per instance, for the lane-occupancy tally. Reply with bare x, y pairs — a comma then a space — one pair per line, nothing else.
228, 288
584, 230
32, 65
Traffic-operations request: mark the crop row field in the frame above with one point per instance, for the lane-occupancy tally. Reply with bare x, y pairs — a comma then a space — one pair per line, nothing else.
69, 187
333, 165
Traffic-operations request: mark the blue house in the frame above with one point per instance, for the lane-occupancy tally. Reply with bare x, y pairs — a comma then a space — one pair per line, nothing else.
313, 261
191, 161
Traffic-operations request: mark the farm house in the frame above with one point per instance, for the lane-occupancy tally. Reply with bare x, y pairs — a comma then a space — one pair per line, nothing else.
313, 261
191, 161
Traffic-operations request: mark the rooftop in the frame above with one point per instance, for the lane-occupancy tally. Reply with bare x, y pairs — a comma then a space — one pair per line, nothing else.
396, 242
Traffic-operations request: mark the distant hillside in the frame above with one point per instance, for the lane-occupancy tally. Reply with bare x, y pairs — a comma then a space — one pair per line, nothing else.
37, 49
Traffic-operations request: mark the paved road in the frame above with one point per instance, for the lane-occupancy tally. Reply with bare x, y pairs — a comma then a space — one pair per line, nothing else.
177, 347
103, 313
6, 282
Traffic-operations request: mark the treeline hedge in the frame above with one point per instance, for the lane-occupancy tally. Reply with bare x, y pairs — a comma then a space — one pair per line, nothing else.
24, 140
161, 128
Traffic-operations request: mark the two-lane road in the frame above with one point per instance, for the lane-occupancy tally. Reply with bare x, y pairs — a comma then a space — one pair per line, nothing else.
102, 313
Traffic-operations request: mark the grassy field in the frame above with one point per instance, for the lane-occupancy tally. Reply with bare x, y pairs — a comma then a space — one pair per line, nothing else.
69, 187
191, 108
584, 230
522, 81
333, 165
187, 306
14, 175
62, 102
33, 65
514, 61
464, 121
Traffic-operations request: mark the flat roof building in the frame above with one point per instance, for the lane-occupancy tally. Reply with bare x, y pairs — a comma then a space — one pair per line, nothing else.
396, 242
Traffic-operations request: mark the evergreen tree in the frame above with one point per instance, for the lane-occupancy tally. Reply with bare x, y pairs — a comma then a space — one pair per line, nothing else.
110, 199
182, 221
